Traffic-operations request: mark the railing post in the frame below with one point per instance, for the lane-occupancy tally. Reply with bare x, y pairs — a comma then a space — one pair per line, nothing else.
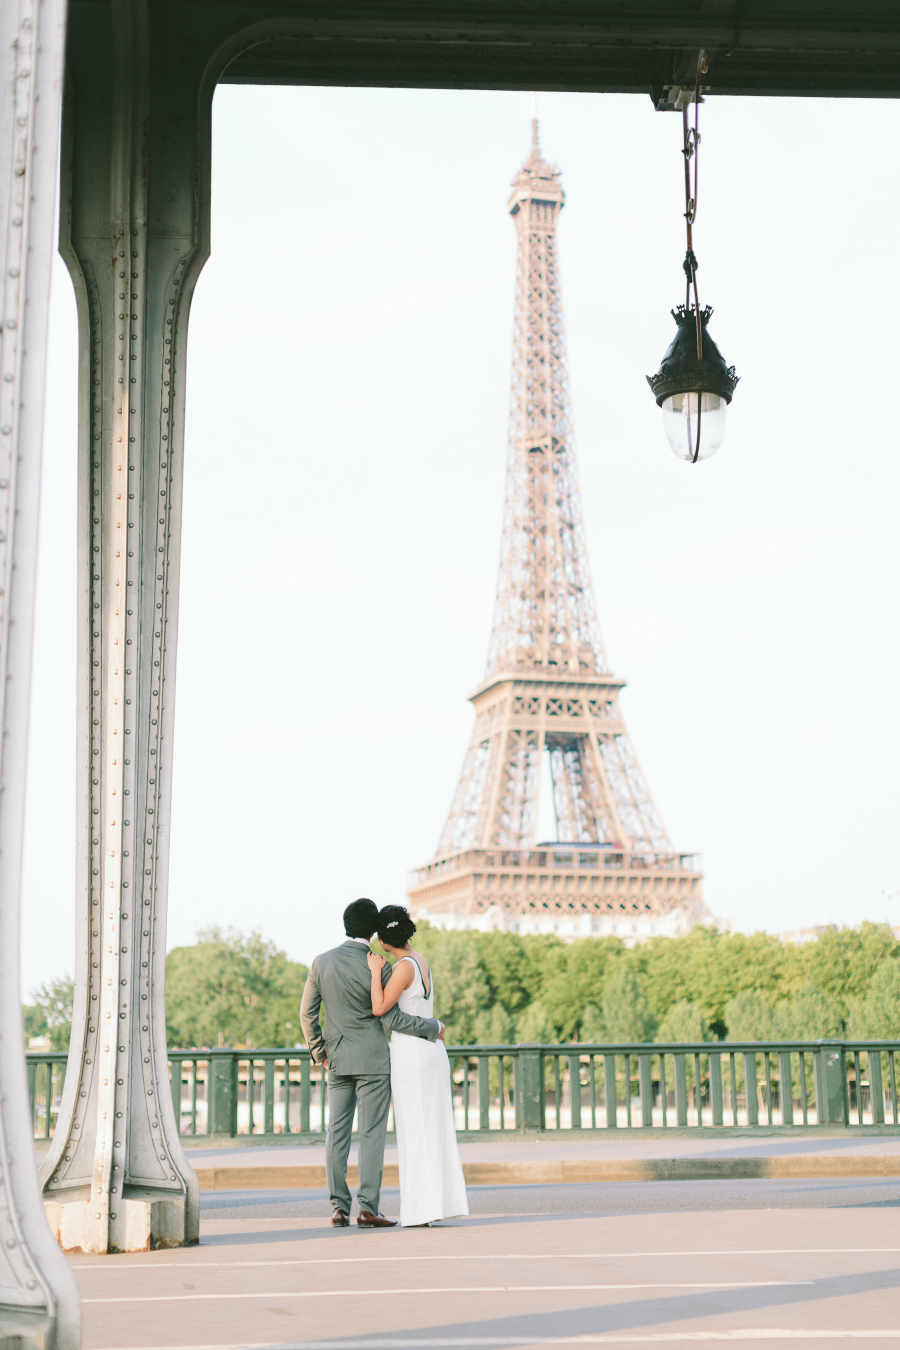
484, 1092
269, 1097
223, 1094
715, 1088
876, 1090
609, 1092
287, 1095
530, 1088
680, 1089
785, 1087
831, 1084
305, 1066
750, 1088
32, 1097
575, 1091
645, 1079
175, 1072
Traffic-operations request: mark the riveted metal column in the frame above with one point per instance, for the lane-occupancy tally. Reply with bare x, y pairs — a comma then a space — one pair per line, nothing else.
116, 1178
38, 1295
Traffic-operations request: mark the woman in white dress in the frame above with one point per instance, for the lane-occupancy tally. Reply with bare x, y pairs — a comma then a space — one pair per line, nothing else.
432, 1185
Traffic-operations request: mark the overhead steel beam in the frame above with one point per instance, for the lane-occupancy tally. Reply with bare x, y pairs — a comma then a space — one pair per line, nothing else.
796, 49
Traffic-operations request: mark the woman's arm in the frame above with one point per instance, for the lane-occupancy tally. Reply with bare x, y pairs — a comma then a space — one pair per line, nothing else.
383, 999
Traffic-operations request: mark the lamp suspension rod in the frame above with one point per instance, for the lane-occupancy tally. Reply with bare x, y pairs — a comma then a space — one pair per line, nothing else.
690, 151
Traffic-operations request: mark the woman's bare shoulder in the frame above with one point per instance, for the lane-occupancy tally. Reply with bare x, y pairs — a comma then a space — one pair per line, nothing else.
405, 970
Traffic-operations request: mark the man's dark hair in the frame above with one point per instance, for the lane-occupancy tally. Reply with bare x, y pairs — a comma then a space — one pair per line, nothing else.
361, 919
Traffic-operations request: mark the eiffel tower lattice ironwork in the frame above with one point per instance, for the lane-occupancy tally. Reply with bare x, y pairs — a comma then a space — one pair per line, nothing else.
548, 707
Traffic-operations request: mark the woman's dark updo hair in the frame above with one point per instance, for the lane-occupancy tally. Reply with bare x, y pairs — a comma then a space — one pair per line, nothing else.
395, 926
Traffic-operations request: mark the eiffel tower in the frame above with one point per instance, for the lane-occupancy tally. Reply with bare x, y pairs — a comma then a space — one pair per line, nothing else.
547, 710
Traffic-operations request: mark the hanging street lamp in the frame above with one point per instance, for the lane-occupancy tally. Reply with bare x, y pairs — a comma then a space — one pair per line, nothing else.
693, 385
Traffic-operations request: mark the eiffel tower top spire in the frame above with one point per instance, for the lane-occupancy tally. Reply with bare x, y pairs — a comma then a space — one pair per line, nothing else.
544, 614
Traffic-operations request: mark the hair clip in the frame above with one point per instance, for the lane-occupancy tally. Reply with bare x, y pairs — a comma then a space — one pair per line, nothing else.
393, 923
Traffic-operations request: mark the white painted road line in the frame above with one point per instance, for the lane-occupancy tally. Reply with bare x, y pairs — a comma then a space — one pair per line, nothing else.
186, 1264
609, 1338
457, 1289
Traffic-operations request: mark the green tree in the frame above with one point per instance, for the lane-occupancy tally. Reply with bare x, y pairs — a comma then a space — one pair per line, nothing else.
876, 1016
808, 1016
749, 1017
576, 978
843, 960
593, 1029
51, 1013
494, 1026
626, 1010
684, 1022
34, 1024
708, 968
517, 967
535, 1027
232, 989
461, 989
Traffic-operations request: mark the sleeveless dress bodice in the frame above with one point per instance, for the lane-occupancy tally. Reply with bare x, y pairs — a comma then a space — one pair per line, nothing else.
413, 1000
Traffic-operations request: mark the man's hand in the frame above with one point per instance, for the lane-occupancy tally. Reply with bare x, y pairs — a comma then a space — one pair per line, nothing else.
440, 1035
375, 960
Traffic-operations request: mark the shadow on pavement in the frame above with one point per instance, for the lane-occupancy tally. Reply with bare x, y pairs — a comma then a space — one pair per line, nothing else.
637, 1315
588, 1199
323, 1229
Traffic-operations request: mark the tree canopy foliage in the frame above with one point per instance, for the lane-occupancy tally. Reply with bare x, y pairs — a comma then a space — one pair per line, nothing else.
231, 989
704, 986
49, 1017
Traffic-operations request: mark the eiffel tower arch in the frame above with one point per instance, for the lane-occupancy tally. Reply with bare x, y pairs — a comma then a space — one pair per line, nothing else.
547, 711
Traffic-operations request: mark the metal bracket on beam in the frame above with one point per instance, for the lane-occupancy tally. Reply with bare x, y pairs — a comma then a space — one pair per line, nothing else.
674, 93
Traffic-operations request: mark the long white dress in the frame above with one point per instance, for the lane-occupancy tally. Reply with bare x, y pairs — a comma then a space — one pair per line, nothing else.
432, 1185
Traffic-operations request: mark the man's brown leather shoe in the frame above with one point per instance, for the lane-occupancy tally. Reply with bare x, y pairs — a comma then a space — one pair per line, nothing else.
339, 1219
367, 1220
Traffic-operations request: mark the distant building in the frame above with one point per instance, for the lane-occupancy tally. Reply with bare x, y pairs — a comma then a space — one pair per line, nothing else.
631, 931
798, 936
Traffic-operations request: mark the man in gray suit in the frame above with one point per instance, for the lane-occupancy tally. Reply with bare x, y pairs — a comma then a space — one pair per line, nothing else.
356, 1051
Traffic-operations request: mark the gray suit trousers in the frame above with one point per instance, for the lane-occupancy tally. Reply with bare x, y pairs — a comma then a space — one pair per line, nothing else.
371, 1093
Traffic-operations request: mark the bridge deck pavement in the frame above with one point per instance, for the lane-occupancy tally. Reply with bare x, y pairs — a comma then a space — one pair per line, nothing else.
619, 1264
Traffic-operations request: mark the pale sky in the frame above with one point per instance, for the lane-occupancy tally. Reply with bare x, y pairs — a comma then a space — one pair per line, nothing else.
347, 400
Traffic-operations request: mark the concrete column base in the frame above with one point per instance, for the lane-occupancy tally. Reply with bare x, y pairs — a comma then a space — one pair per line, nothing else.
143, 1222
20, 1330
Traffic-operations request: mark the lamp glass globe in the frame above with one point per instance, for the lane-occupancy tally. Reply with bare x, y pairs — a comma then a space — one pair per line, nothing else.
691, 418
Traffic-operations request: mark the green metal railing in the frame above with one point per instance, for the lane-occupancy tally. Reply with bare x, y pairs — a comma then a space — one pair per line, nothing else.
718, 1085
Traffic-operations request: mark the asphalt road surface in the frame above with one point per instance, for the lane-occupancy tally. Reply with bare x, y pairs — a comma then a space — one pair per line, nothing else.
620, 1264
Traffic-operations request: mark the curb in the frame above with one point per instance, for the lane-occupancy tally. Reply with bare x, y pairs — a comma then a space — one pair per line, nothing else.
567, 1172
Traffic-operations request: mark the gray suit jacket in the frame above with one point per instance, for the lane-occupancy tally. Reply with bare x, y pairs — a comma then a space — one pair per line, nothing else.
354, 1039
